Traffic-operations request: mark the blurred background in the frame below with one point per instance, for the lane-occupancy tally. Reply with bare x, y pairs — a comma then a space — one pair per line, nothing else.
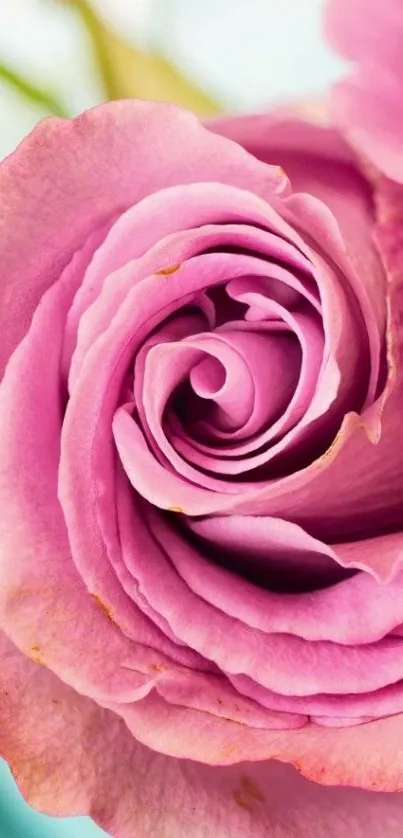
212, 56
62, 56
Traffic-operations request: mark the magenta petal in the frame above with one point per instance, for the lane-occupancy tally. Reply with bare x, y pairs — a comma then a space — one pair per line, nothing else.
381, 556
149, 477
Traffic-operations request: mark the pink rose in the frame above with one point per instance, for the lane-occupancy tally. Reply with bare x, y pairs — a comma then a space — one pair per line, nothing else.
368, 105
201, 475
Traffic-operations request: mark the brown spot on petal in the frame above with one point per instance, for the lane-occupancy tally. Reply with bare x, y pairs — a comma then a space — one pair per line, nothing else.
177, 509
230, 751
249, 786
331, 452
171, 269
248, 794
35, 656
242, 800
157, 667
103, 607
22, 593
370, 427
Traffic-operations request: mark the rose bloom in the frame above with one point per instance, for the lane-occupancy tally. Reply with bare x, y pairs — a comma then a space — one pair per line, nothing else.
201, 477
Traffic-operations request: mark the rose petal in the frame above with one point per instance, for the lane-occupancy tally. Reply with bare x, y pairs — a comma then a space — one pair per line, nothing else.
323, 708
379, 41
338, 613
320, 163
253, 366
284, 664
309, 332
368, 755
367, 105
39, 598
137, 789
269, 551
210, 203
69, 177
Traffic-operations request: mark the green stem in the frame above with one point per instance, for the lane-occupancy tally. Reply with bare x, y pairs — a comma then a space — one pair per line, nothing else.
31, 91
96, 33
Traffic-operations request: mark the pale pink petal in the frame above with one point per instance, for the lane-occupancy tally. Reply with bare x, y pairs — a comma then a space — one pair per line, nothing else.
154, 643
368, 755
368, 104
379, 41
128, 789
355, 505
323, 707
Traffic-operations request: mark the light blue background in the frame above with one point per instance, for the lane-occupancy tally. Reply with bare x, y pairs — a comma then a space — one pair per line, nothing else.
249, 53
17, 820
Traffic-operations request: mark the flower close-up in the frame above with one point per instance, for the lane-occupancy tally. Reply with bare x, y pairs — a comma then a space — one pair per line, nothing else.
201, 473
201, 469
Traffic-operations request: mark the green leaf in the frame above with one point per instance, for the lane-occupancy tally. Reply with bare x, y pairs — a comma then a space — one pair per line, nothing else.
37, 95
130, 72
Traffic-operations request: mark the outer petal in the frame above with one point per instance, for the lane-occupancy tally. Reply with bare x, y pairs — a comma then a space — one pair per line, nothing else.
309, 150
71, 757
41, 590
378, 41
368, 108
368, 105
68, 178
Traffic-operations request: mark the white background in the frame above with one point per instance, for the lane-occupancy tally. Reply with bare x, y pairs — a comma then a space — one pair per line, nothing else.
248, 53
